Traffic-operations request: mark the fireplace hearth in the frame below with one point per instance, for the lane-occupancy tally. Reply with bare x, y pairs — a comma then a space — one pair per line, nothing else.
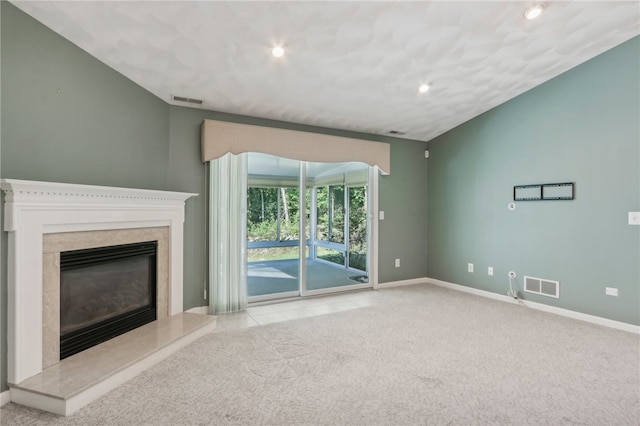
105, 292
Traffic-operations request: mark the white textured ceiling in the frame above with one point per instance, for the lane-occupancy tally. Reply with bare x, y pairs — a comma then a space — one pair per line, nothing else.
348, 65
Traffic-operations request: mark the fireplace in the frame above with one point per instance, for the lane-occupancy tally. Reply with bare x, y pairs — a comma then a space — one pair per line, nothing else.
105, 292
45, 219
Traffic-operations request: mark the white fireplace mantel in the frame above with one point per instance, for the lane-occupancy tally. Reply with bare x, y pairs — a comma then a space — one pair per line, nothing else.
33, 209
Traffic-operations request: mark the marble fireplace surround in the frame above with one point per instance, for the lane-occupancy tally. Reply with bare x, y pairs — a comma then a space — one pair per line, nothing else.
54, 244
44, 218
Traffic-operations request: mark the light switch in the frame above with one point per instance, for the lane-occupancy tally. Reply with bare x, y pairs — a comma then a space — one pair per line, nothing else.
381, 215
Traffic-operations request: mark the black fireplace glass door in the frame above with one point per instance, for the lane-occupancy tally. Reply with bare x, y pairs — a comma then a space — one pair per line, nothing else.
105, 292
99, 292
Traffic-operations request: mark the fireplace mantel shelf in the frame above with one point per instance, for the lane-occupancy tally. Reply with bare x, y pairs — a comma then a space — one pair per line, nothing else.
33, 195
32, 190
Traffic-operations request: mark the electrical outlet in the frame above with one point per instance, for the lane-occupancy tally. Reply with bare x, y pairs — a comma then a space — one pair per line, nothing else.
634, 218
611, 291
397, 263
381, 214
469, 267
490, 270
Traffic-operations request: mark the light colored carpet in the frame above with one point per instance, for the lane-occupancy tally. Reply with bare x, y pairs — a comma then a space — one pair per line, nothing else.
427, 355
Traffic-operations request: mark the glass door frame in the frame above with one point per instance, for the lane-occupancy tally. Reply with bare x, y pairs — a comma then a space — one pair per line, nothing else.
372, 235
372, 241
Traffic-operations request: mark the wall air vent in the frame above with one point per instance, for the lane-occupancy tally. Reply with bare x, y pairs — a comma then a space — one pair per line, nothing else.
541, 286
187, 100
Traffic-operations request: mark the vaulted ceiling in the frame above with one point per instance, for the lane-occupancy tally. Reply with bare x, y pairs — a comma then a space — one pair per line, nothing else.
346, 65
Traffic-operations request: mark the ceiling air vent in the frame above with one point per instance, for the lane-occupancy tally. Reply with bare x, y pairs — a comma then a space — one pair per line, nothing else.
541, 286
396, 133
187, 100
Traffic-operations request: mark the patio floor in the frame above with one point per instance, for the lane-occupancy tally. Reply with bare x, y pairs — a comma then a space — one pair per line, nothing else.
279, 276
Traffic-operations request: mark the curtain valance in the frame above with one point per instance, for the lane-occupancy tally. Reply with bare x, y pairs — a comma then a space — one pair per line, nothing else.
221, 137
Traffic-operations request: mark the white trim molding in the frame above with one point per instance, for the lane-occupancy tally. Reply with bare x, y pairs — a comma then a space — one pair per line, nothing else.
202, 310
373, 228
33, 209
401, 283
539, 306
5, 398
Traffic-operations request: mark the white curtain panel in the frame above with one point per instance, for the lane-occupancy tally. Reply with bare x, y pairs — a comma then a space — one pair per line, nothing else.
227, 235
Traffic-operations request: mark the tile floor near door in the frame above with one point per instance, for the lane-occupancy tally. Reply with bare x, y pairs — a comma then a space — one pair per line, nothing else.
301, 308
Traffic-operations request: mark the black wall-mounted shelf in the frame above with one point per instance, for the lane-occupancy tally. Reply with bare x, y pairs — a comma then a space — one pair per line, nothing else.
544, 191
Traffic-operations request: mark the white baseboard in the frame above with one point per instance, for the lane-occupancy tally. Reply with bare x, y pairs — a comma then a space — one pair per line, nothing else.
5, 398
204, 310
539, 306
402, 283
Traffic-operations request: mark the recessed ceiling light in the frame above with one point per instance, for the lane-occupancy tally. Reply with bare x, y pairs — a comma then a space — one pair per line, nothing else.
277, 51
424, 88
534, 11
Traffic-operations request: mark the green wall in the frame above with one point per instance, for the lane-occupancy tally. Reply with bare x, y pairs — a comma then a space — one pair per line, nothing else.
188, 174
403, 198
69, 118
582, 127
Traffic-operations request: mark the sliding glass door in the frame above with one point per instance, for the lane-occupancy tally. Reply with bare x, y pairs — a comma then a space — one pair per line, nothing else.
273, 228
338, 251
357, 229
307, 227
